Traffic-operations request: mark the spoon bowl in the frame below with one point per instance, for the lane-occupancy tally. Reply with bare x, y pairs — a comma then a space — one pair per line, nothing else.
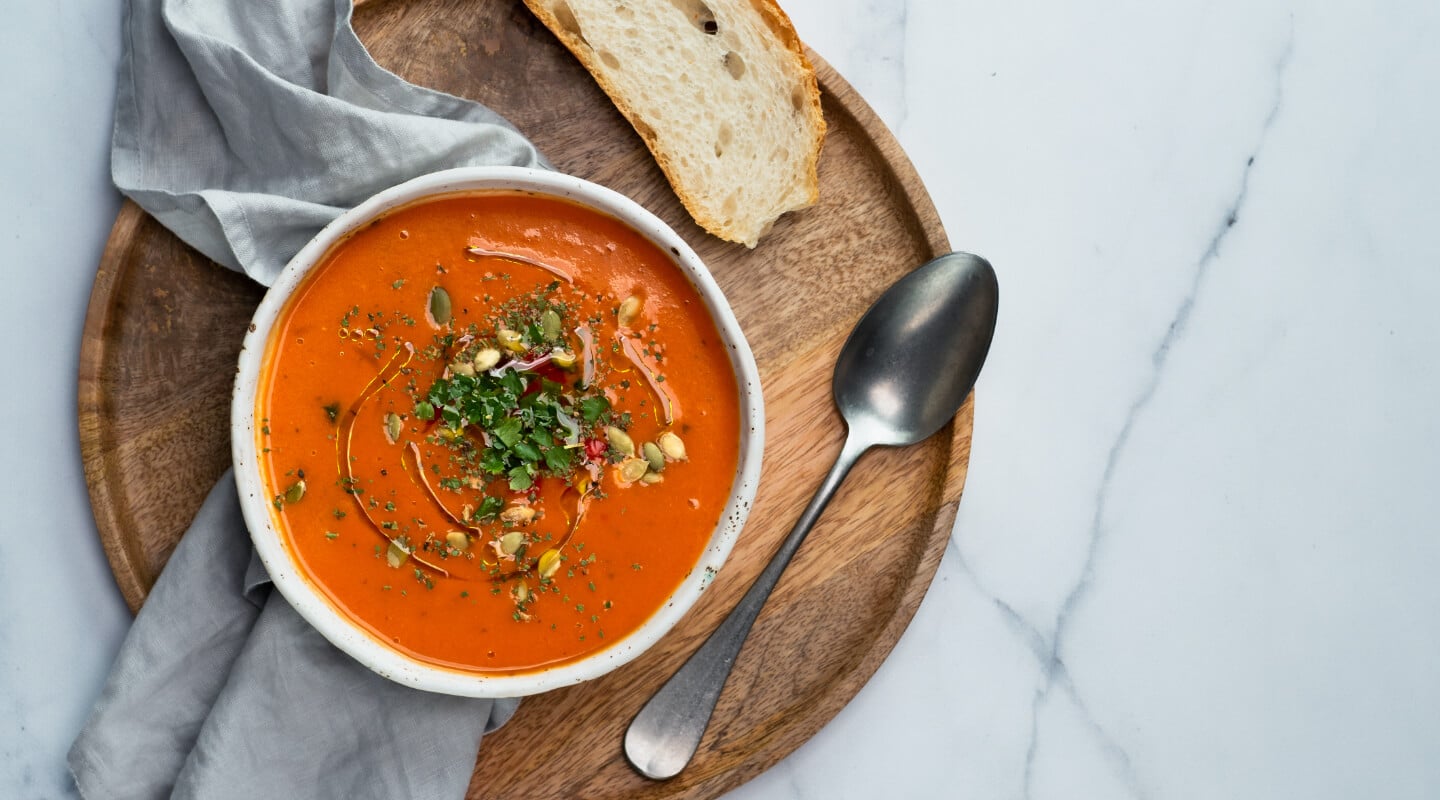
901, 376
914, 357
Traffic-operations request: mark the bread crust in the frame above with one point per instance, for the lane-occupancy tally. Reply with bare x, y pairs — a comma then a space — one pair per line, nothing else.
778, 23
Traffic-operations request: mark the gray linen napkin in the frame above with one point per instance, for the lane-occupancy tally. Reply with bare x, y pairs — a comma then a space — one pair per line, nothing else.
244, 127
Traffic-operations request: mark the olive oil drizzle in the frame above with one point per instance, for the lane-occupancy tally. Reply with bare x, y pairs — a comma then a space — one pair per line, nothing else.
418, 476
342, 450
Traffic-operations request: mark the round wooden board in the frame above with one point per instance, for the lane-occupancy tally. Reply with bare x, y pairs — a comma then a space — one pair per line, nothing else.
164, 328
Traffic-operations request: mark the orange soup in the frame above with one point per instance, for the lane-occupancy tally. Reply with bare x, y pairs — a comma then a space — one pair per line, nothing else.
498, 429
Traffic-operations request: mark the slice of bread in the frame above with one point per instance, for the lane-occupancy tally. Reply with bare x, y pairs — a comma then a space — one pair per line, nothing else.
721, 92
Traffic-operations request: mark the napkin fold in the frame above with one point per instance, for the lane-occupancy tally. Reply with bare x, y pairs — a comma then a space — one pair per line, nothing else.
244, 128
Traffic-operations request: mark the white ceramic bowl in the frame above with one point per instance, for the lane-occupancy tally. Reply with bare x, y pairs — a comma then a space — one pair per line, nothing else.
281, 563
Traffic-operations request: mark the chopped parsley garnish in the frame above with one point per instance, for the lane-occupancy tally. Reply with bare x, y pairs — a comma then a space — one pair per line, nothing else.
489, 509
526, 426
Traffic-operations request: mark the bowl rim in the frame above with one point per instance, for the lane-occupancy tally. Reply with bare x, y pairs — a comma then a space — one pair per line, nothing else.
318, 610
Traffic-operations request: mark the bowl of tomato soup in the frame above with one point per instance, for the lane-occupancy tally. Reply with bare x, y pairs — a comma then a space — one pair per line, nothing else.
495, 430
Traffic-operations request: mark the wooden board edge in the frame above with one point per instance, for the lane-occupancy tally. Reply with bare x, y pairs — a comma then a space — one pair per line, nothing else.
902, 171
127, 567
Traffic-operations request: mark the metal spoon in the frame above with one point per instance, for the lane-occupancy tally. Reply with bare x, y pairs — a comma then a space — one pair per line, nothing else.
903, 373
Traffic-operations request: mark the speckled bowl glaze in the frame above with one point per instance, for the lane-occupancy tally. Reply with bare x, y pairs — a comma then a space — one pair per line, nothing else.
280, 561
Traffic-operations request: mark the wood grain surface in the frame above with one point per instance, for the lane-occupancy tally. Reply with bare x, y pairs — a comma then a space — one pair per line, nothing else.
164, 328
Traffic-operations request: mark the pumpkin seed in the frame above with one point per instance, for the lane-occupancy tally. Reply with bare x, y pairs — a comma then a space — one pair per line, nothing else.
392, 427
522, 592
295, 492
517, 515
672, 446
396, 554
562, 358
486, 359
458, 540
629, 310
550, 325
651, 478
653, 456
440, 306
633, 469
620, 440
549, 563
511, 340
510, 542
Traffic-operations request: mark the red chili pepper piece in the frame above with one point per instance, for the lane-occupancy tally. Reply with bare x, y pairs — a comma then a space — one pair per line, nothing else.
595, 448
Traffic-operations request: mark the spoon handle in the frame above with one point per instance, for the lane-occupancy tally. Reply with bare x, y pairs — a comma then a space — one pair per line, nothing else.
667, 731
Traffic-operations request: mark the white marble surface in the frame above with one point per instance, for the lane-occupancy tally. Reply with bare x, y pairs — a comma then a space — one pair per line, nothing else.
1197, 552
